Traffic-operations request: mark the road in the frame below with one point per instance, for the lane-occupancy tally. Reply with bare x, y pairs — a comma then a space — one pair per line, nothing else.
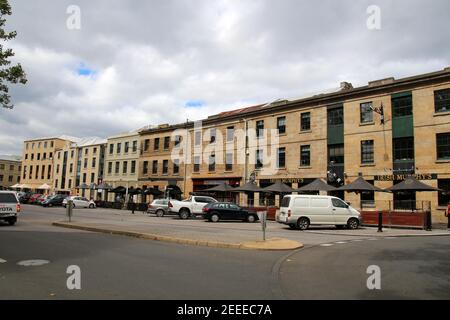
116, 267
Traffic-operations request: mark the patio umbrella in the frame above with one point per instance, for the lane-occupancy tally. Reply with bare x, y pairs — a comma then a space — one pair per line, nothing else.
44, 187
278, 187
412, 184
248, 187
223, 187
360, 185
119, 189
316, 186
153, 191
132, 190
16, 186
25, 186
83, 186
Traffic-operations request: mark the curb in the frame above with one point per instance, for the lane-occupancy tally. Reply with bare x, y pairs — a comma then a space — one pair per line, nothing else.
382, 235
256, 245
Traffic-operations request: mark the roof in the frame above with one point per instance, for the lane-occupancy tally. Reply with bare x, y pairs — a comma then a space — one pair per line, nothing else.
10, 157
127, 134
90, 141
61, 137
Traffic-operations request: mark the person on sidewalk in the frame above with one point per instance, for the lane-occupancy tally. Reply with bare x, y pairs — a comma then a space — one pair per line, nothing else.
132, 205
447, 214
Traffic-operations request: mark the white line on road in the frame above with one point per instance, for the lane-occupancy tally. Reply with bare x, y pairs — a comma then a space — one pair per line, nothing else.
341, 242
326, 244
2, 260
32, 263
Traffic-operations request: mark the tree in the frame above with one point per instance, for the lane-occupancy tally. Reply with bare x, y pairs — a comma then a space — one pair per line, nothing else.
8, 74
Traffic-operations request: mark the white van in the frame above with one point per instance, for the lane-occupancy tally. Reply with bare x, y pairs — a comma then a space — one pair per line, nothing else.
301, 211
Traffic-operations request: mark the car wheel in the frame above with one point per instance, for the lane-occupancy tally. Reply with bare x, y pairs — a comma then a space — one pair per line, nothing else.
303, 223
91, 206
50, 205
353, 224
12, 221
184, 214
160, 213
214, 217
251, 218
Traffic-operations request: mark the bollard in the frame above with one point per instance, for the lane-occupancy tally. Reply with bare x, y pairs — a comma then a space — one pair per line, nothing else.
380, 221
428, 226
69, 209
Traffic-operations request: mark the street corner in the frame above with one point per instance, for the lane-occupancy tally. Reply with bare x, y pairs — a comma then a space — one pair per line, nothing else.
272, 244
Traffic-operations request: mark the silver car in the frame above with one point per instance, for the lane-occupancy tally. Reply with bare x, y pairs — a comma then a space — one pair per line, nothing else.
160, 207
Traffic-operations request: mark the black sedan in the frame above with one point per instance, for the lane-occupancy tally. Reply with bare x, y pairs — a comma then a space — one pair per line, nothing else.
55, 200
227, 211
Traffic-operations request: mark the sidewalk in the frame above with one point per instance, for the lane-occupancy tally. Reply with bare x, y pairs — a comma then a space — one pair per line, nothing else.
373, 232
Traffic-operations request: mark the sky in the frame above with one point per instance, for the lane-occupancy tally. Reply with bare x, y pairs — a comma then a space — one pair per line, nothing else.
137, 63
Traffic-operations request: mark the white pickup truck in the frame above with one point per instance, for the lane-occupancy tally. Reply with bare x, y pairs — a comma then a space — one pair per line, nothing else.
9, 207
190, 207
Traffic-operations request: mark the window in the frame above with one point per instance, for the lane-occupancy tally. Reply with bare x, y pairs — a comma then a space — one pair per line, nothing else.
85, 152
24, 172
212, 135
133, 167
198, 138
230, 134
367, 151
10, 178
85, 163
281, 158
146, 144
26, 156
125, 167
71, 154
37, 173
11, 167
50, 156
126, 147
337, 203
165, 169
176, 166
442, 100
2, 166
43, 172
155, 167
51, 144
336, 153
117, 168
196, 163
443, 146
70, 183
71, 168
212, 163
166, 143
56, 183
109, 167
45, 144
156, 144
259, 159
444, 197
281, 125
229, 162
84, 177
44, 156
366, 112
403, 149
95, 151
135, 146
32, 145
39, 156
32, 156
57, 168
402, 106
305, 156
49, 170
177, 141
368, 197
1, 177
335, 116
111, 148
119, 147
305, 121
145, 167
26, 146
259, 128
94, 161
92, 177
39, 145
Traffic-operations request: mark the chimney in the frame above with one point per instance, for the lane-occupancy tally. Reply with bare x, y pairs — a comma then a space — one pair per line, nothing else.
346, 86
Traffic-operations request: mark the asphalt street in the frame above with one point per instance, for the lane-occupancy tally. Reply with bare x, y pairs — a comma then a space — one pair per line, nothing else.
118, 267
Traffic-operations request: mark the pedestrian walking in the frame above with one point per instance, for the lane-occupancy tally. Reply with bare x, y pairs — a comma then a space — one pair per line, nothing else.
447, 214
132, 205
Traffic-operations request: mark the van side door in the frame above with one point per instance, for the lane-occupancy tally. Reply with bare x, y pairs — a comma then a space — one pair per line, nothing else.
320, 211
341, 211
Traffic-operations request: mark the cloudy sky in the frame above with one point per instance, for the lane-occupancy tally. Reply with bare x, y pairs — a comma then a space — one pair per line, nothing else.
134, 63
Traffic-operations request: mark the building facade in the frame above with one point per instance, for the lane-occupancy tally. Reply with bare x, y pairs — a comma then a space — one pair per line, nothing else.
10, 167
122, 161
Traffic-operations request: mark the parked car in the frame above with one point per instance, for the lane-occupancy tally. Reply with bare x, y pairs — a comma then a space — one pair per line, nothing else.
41, 199
190, 207
25, 197
160, 207
79, 202
227, 211
301, 211
55, 200
33, 198
9, 207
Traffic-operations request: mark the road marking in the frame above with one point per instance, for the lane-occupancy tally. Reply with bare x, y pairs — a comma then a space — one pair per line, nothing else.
341, 242
390, 238
326, 244
357, 240
372, 239
2, 260
32, 263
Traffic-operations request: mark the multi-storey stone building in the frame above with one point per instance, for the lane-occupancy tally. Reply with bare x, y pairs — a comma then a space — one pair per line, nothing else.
10, 167
122, 161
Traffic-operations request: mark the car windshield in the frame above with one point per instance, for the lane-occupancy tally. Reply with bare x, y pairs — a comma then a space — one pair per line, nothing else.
8, 198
